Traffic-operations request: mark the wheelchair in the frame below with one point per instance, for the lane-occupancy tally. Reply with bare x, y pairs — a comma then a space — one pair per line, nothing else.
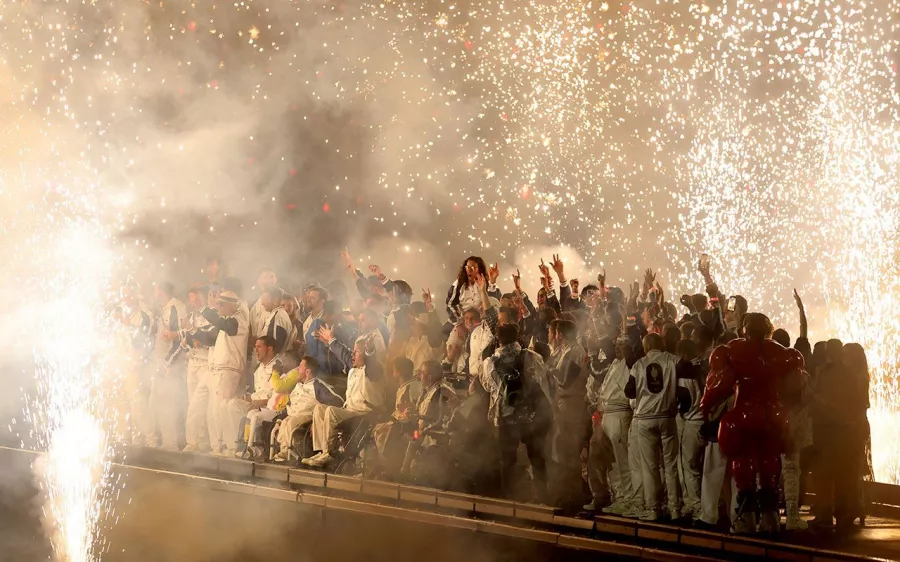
355, 444
264, 439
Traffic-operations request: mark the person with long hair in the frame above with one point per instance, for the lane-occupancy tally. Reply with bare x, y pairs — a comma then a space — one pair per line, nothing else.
854, 358
464, 294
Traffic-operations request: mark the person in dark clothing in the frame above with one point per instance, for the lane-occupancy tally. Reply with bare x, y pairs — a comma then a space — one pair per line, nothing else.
838, 414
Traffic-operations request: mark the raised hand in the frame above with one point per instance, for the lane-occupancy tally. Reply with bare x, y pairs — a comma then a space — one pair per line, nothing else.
798, 300
481, 282
494, 273
347, 260
649, 278
517, 281
324, 334
545, 271
426, 298
601, 278
557, 265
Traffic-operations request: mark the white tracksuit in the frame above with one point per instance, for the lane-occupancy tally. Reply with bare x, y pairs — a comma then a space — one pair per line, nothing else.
196, 430
363, 394
168, 397
609, 445
304, 398
279, 319
262, 390
655, 381
691, 446
227, 360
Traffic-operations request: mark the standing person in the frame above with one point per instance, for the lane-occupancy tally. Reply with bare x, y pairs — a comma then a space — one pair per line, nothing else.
568, 368
315, 297
213, 275
690, 444
653, 383
278, 324
520, 407
464, 292
609, 450
227, 361
752, 435
168, 399
196, 430
854, 357
838, 413
345, 332
258, 312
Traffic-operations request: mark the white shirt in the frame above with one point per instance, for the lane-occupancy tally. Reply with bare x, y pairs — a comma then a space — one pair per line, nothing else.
479, 339
611, 397
454, 340
362, 393
656, 381
262, 381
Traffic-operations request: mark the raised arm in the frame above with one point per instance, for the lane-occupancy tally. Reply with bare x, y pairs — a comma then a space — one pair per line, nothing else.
802, 310
228, 325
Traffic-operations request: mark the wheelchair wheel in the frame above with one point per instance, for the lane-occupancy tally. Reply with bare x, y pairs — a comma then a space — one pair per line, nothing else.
301, 441
348, 467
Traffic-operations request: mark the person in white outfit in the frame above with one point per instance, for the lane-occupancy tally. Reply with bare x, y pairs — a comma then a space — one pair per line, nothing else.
608, 452
365, 392
308, 392
653, 383
258, 315
227, 360
690, 444
196, 338
262, 403
278, 325
168, 397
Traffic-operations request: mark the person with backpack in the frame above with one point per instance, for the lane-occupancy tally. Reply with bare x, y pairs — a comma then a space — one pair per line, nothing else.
520, 406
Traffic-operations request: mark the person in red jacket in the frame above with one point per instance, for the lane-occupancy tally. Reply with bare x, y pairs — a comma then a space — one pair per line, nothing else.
764, 378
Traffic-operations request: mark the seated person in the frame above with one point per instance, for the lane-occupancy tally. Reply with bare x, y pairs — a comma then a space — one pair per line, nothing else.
364, 391
308, 392
433, 410
408, 393
253, 406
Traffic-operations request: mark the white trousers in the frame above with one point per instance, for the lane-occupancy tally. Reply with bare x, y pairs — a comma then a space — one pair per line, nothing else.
634, 464
690, 461
196, 429
224, 412
287, 427
659, 436
601, 471
715, 470
168, 402
196, 371
325, 420
611, 459
255, 419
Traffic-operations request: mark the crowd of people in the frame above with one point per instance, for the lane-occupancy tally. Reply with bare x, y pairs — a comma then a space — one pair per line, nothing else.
588, 399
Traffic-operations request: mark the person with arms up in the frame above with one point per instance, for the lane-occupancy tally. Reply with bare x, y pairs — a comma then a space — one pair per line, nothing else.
168, 398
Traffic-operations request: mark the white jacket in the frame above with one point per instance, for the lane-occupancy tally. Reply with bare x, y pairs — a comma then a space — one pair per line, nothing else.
262, 381
230, 352
655, 384
279, 317
257, 320
169, 320
612, 392
479, 339
306, 395
418, 350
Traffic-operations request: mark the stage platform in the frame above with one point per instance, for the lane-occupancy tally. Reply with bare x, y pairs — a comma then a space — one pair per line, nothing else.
619, 538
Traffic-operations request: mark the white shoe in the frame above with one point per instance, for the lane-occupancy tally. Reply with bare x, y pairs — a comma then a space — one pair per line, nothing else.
589, 507
190, 449
282, 455
319, 462
675, 514
617, 508
649, 515
633, 512
308, 460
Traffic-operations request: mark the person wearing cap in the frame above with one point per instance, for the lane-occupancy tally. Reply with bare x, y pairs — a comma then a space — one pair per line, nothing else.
227, 361
168, 396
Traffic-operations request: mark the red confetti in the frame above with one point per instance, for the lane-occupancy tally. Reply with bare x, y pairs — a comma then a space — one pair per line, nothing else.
290, 206
326, 207
293, 107
504, 116
801, 50
192, 25
292, 172
468, 45
599, 26
214, 84
319, 74
455, 207
251, 160
525, 191
626, 7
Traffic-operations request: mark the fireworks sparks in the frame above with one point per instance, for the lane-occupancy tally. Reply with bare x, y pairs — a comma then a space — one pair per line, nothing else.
765, 135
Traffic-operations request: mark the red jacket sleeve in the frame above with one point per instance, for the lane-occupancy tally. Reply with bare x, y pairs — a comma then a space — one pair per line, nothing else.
720, 381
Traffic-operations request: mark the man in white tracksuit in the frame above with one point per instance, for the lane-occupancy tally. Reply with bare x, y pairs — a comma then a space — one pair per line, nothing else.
278, 324
653, 384
196, 430
227, 360
309, 391
690, 443
609, 446
262, 395
365, 392
168, 397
